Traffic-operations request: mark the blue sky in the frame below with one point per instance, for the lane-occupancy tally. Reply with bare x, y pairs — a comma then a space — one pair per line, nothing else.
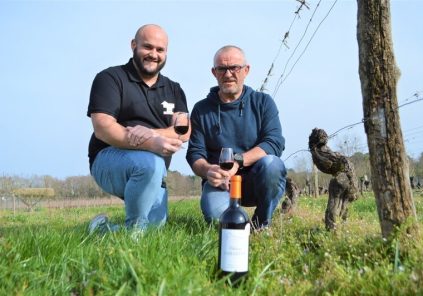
51, 50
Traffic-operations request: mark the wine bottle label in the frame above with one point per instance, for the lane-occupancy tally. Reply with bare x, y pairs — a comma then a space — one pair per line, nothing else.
234, 249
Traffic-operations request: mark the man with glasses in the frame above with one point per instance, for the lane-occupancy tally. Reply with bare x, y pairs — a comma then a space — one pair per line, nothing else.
234, 115
131, 108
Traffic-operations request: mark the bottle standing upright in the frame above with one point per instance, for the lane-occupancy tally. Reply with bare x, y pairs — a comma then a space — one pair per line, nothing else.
234, 233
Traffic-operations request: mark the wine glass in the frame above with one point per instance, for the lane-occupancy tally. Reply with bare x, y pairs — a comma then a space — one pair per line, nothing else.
226, 160
181, 123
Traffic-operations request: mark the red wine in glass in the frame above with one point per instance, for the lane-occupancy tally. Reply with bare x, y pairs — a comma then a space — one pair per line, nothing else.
226, 159
181, 123
226, 165
181, 129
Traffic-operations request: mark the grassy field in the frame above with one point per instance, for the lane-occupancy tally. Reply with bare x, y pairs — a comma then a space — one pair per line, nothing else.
49, 252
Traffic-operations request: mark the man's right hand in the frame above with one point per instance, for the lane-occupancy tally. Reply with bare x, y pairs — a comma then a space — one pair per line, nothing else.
218, 177
163, 146
138, 134
108, 130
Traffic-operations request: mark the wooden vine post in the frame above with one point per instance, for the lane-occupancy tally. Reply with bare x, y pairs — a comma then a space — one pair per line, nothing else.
379, 75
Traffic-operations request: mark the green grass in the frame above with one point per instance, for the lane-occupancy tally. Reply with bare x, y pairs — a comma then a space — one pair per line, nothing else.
49, 252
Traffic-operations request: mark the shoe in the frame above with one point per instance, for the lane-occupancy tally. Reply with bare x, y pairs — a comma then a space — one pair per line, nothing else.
257, 226
137, 234
99, 222
264, 231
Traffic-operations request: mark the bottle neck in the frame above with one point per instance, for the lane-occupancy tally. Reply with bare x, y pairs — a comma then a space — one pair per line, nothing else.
234, 202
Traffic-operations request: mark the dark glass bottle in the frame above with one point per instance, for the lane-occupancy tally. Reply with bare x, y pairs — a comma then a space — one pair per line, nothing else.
234, 232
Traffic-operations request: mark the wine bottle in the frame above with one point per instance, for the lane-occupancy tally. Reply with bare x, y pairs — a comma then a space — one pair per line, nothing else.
234, 233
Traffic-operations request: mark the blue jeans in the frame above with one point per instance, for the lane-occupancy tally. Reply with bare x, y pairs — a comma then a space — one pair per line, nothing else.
263, 186
138, 178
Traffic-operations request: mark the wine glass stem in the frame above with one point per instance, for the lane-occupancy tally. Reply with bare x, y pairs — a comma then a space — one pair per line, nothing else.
227, 181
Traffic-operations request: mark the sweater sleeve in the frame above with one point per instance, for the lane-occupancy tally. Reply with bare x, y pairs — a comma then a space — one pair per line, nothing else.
197, 143
271, 139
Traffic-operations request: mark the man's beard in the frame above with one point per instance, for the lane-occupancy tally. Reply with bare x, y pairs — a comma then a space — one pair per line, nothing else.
143, 70
229, 90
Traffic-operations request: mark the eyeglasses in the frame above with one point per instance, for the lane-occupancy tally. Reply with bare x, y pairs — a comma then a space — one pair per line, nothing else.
232, 69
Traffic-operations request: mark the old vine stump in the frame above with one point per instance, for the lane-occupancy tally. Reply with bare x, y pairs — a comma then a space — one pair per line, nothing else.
343, 185
292, 193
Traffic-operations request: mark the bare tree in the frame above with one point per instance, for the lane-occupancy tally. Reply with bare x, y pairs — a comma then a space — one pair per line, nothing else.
303, 162
379, 75
348, 145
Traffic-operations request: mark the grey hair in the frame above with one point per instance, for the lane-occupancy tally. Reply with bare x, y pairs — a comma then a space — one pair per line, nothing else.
226, 48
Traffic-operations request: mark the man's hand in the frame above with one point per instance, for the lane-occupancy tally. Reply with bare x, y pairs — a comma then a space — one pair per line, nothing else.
108, 130
162, 145
218, 177
137, 135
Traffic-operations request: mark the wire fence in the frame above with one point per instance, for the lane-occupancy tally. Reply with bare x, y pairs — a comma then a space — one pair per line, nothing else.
410, 135
16, 204
413, 137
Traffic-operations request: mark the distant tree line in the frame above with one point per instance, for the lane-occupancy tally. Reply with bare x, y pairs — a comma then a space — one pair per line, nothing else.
303, 178
85, 186
189, 185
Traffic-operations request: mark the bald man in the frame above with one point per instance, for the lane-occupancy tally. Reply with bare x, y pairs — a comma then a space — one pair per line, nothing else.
234, 115
132, 108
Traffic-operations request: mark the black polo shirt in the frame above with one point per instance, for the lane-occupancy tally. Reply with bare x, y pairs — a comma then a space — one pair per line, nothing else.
119, 92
